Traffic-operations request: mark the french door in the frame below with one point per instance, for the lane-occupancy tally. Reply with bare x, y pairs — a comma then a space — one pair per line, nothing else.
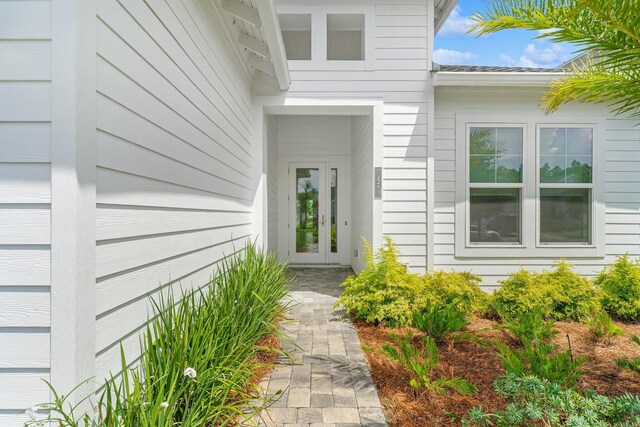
313, 213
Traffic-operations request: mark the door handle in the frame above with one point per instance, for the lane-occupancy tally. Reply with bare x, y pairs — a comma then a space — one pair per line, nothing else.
322, 220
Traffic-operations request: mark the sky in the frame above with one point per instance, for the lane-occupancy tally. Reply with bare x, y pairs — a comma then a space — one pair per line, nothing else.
517, 48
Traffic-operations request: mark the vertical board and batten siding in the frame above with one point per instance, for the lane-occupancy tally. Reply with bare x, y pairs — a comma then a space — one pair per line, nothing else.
622, 175
25, 206
174, 181
272, 183
361, 188
398, 76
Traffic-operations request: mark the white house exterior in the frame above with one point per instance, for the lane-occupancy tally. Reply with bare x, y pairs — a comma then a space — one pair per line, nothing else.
141, 141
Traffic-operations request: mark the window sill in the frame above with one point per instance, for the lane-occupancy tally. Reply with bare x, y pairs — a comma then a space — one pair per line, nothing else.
555, 251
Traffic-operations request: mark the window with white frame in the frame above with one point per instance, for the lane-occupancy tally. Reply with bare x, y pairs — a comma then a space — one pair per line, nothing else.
565, 185
495, 185
328, 37
527, 189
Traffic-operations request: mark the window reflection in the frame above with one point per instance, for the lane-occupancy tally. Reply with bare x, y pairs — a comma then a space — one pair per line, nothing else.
566, 155
334, 210
565, 215
495, 155
494, 215
307, 209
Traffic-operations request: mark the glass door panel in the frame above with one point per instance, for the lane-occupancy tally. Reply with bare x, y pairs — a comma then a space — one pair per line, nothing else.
334, 210
308, 205
307, 210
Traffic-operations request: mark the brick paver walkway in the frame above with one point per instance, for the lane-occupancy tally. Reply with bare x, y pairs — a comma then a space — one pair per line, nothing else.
332, 386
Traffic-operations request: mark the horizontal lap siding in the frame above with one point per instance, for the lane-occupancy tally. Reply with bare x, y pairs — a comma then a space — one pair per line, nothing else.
174, 186
622, 175
399, 77
25, 206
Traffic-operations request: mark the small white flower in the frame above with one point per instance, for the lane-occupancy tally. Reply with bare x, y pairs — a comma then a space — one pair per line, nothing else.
31, 412
164, 405
190, 372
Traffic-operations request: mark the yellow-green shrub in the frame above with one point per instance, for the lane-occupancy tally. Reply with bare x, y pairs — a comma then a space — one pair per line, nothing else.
560, 293
459, 289
620, 285
577, 298
520, 293
384, 291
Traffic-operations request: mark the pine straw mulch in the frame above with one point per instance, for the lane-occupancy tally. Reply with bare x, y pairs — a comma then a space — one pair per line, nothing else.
480, 366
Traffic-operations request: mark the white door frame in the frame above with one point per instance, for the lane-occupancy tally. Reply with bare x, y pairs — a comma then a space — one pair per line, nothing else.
286, 221
319, 257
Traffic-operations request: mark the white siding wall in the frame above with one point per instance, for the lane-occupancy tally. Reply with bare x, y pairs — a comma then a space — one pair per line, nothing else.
314, 135
622, 174
272, 182
174, 165
361, 187
399, 77
25, 201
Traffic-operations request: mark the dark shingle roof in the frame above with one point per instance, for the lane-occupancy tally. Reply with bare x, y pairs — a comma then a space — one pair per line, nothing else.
492, 69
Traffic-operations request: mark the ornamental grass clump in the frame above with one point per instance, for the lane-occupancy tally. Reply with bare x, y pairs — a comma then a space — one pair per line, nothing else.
620, 285
198, 354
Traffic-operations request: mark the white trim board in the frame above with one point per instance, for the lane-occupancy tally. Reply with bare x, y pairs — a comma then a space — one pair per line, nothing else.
499, 79
73, 203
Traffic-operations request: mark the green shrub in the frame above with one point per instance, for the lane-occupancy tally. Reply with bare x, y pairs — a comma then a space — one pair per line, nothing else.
543, 360
530, 326
439, 320
420, 364
620, 285
384, 291
461, 289
578, 298
560, 293
631, 365
602, 327
520, 293
534, 401
198, 354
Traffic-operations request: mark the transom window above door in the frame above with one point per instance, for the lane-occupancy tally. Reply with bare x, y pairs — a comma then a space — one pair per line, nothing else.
527, 189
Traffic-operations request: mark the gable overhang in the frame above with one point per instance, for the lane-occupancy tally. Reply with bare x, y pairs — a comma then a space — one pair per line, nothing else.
442, 10
499, 79
254, 30
273, 37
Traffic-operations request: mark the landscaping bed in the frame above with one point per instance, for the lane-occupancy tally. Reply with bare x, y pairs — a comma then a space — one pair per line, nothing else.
481, 366
543, 350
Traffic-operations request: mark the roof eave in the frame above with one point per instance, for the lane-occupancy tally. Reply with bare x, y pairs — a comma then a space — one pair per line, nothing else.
450, 78
273, 38
444, 14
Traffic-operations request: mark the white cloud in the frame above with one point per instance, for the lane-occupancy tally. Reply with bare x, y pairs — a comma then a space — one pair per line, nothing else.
453, 57
543, 32
506, 59
543, 55
456, 24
